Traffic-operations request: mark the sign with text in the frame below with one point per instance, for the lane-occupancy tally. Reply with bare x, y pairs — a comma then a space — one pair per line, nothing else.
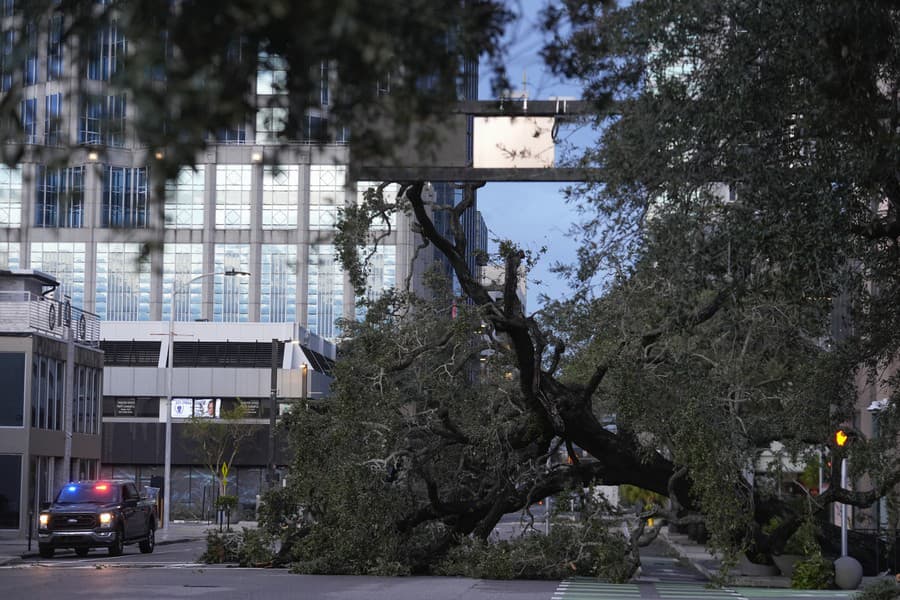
181, 408
126, 407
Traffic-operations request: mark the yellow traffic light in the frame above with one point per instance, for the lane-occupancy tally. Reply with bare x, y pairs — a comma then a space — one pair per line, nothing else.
841, 437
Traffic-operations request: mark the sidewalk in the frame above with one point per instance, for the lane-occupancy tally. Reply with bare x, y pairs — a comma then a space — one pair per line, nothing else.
13, 550
709, 564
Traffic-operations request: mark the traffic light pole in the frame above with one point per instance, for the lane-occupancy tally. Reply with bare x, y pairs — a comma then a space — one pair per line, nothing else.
843, 509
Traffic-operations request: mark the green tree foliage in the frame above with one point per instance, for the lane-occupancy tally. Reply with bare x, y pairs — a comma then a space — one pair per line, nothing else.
217, 442
189, 68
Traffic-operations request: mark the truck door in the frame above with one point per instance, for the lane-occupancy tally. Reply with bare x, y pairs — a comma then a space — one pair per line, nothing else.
130, 512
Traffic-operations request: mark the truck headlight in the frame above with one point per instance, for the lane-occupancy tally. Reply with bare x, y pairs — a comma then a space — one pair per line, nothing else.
105, 519
43, 520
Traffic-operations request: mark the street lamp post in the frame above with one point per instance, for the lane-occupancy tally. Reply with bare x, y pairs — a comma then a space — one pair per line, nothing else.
170, 377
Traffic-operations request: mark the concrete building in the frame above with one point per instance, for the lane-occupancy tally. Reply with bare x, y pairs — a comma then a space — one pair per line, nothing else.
51, 369
79, 206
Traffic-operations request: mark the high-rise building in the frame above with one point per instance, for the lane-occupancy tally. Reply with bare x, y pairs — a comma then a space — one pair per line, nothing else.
79, 206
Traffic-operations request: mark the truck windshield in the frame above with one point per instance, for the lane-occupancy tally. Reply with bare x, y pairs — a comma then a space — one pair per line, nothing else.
101, 493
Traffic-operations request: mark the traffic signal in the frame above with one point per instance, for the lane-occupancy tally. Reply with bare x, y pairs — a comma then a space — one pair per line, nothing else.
841, 438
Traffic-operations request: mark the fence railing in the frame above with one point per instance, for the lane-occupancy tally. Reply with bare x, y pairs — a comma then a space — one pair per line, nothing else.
24, 312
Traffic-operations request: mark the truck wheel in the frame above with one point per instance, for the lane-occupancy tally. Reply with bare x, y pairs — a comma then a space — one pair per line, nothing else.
148, 544
118, 546
82, 550
46, 551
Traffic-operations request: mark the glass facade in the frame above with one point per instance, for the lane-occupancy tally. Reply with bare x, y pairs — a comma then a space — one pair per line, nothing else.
327, 191
10, 196
59, 201
66, 262
382, 276
106, 53
325, 291
181, 263
7, 65
12, 400
270, 122
184, 199
55, 48
390, 197
11, 489
271, 75
278, 284
231, 297
88, 395
9, 255
53, 135
30, 71
48, 377
233, 185
279, 200
124, 197
28, 110
123, 283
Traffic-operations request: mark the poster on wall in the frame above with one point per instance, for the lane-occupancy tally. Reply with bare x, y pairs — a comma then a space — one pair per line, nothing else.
125, 407
181, 408
207, 408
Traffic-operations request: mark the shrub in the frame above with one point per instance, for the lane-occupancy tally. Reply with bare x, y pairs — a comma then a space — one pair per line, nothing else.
813, 573
575, 549
884, 589
221, 547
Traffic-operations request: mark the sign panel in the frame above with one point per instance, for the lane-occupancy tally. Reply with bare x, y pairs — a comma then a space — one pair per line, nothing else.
125, 407
181, 408
207, 408
513, 142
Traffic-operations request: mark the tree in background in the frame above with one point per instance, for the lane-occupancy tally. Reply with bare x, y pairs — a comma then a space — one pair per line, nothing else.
218, 441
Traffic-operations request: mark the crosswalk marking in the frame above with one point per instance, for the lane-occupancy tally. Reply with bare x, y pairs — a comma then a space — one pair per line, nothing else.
584, 588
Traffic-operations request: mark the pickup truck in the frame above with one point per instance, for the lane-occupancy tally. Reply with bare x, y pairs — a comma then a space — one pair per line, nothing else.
97, 514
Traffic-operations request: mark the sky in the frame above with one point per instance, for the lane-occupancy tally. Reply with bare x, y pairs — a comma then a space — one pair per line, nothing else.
532, 214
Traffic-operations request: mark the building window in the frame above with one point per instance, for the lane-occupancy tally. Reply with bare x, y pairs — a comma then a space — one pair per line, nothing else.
326, 193
7, 8
233, 196
6, 59
55, 48
271, 75
123, 282
53, 120
231, 297
184, 199
29, 120
11, 489
382, 275
115, 121
86, 405
47, 392
270, 124
323, 83
90, 120
60, 197
106, 53
280, 188
389, 193
12, 400
9, 255
325, 292
30, 75
65, 261
181, 263
278, 284
232, 135
124, 197
102, 120
10, 196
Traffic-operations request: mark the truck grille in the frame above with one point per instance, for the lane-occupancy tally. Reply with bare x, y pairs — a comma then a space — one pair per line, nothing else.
63, 522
